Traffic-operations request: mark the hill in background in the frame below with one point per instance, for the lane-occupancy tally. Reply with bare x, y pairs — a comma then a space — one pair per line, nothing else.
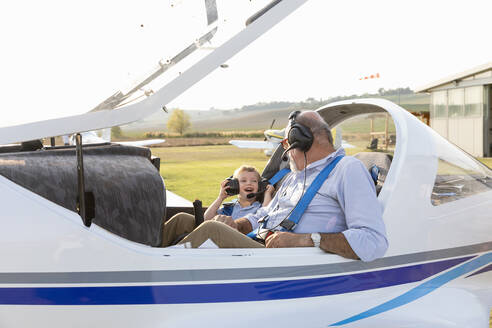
260, 116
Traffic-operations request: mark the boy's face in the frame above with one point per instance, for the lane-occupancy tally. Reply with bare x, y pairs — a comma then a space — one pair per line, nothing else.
248, 183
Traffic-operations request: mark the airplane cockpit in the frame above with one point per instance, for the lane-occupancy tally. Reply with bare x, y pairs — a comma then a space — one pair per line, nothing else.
126, 194
458, 176
82, 224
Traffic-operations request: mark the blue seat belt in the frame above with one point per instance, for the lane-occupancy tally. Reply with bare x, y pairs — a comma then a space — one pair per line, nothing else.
278, 176
290, 222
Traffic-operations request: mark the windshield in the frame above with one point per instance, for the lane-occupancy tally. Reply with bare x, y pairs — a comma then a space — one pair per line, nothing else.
458, 175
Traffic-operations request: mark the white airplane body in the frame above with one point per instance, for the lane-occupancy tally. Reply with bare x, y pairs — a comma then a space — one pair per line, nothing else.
272, 139
56, 271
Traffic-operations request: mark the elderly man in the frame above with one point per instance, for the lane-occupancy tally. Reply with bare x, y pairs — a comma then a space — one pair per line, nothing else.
344, 216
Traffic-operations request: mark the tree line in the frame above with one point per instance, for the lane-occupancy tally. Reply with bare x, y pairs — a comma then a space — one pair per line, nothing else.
312, 103
179, 121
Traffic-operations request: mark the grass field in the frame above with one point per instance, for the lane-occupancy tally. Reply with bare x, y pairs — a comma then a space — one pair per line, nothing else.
196, 172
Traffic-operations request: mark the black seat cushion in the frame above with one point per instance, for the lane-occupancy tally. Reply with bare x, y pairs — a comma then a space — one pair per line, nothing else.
128, 191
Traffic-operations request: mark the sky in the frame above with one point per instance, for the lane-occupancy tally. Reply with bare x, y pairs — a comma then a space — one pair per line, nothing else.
62, 58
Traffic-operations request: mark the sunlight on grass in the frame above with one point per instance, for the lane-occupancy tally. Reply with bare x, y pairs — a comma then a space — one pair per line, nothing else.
196, 172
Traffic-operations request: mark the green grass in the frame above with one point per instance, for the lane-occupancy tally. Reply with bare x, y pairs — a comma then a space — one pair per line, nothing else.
361, 125
196, 172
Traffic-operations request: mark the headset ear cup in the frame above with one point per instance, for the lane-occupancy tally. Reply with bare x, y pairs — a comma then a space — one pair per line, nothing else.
301, 135
233, 187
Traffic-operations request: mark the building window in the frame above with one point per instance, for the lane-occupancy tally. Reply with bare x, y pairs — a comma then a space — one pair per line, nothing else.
455, 103
473, 101
439, 104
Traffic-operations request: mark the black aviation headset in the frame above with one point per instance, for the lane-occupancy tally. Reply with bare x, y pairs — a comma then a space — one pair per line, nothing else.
299, 136
233, 189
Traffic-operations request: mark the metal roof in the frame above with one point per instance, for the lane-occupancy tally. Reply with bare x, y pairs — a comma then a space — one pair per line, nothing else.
456, 77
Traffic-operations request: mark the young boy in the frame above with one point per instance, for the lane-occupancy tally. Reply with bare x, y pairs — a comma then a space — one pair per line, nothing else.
249, 180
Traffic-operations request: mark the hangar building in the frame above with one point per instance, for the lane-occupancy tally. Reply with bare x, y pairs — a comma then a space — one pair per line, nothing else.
461, 109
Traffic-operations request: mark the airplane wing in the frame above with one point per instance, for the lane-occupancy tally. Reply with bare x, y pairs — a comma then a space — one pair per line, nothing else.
173, 200
253, 144
141, 143
347, 145
174, 86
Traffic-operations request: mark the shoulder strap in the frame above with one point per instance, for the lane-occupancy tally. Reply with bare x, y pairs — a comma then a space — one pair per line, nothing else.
290, 222
278, 176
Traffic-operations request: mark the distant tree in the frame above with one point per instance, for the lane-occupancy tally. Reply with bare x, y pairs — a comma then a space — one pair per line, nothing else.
116, 132
178, 122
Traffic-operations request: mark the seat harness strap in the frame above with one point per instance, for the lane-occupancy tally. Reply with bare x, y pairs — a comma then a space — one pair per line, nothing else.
291, 222
278, 176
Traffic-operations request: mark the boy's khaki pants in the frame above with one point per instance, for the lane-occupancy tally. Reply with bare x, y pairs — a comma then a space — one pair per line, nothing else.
221, 234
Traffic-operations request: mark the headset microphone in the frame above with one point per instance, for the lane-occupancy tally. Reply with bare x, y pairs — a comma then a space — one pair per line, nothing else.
284, 154
254, 194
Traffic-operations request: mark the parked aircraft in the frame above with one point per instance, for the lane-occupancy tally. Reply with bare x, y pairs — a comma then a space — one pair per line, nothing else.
274, 137
91, 137
107, 269
272, 140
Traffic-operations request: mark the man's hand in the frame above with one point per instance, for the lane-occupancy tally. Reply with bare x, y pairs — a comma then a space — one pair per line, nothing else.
227, 220
330, 242
288, 239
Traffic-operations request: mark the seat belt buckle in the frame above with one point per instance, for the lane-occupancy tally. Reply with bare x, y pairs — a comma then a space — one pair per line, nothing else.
287, 224
262, 235
263, 219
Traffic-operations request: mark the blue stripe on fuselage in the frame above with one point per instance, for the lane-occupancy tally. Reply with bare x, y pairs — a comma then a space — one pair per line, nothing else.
422, 289
486, 269
224, 292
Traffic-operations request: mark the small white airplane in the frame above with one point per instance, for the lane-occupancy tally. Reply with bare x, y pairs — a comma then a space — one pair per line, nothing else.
91, 137
61, 271
274, 137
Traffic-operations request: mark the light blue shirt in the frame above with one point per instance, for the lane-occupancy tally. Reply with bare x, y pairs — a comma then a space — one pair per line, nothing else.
346, 202
240, 212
